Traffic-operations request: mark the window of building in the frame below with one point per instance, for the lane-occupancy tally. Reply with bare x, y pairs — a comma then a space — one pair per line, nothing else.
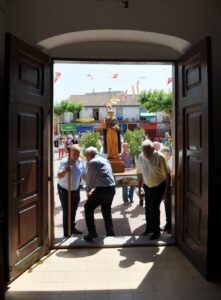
96, 114
119, 111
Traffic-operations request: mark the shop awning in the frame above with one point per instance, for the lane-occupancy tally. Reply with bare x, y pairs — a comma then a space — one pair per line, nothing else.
148, 115
68, 127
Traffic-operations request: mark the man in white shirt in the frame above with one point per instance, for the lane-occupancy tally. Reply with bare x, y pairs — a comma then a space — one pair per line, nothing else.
154, 175
76, 168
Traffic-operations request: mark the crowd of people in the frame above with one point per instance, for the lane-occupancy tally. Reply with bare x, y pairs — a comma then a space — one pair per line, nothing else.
154, 184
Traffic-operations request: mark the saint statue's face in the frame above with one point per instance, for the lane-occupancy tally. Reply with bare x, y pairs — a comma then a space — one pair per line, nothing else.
111, 114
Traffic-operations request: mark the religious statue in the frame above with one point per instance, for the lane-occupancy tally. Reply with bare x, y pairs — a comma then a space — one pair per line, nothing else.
112, 144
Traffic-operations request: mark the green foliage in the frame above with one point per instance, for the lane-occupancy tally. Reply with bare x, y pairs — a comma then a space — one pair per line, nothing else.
61, 107
67, 106
74, 107
156, 101
89, 139
134, 140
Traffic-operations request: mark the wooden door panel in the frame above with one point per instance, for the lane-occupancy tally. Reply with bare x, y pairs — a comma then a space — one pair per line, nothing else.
28, 120
29, 102
194, 180
28, 183
193, 154
194, 129
29, 73
27, 215
193, 175
28, 179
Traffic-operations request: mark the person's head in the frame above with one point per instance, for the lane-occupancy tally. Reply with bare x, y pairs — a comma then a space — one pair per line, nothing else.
146, 137
156, 145
110, 113
90, 153
148, 148
166, 134
167, 152
74, 152
70, 137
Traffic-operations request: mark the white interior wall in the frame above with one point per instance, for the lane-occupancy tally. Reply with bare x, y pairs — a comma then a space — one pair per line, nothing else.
34, 21
53, 17
117, 50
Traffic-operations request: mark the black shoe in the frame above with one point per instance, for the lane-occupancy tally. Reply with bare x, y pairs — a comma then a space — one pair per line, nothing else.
131, 201
167, 228
146, 232
111, 233
76, 231
90, 236
67, 235
155, 236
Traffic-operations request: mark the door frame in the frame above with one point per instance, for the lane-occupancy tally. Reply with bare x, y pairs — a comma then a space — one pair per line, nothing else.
173, 129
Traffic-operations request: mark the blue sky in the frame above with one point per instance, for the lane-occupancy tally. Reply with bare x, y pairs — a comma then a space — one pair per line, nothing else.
75, 78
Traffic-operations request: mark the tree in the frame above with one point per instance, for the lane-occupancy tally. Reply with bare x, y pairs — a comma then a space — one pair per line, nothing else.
156, 101
74, 108
59, 109
66, 106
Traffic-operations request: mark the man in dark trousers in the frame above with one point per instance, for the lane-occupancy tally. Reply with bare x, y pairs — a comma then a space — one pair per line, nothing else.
100, 188
74, 167
154, 175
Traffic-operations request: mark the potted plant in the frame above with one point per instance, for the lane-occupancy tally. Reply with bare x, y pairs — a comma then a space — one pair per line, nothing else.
89, 139
134, 140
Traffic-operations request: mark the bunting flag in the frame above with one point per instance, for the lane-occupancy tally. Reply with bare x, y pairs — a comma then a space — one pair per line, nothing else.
57, 75
124, 97
133, 91
114, 76
169, 80
90, 76
138, 88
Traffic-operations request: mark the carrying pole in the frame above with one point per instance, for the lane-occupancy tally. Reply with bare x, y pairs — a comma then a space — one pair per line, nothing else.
69, 194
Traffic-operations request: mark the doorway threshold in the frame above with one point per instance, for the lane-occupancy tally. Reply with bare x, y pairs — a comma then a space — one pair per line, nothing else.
113, 242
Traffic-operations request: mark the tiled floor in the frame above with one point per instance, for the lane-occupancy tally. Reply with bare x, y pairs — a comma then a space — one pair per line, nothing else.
111, 274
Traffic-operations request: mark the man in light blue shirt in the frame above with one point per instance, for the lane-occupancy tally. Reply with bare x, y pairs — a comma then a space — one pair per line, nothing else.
100, 188
76, 169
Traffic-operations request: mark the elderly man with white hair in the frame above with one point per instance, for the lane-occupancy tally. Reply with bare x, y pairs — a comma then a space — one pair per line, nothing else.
154, 175
73, 167
100, 188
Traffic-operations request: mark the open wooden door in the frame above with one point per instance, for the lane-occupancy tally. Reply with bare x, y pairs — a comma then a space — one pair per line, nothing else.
193, 154
28, 100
